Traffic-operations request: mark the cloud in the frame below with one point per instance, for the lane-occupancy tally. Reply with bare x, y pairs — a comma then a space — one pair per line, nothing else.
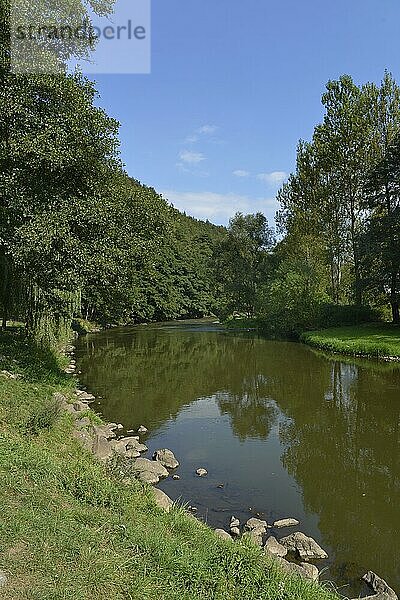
241, 173
276, 178
207, 129
192, 158
218, 208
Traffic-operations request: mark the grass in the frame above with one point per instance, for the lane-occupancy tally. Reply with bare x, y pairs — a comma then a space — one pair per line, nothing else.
70, 530
381, 340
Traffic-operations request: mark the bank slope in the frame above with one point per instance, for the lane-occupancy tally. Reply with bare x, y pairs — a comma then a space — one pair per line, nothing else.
381, 340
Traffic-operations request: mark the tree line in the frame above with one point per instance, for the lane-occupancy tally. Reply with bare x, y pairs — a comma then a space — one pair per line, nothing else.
338, 249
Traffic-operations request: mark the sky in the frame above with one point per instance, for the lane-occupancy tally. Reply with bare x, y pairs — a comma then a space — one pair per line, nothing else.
233, 86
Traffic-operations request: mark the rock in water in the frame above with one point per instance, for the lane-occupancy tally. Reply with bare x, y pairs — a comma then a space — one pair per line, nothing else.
142, 429
286, 523
306, 547
234, 522
254, 524
162, 500
224, 535
380, 587
166, 458
274, 547
235, 531
201, 472
149, 471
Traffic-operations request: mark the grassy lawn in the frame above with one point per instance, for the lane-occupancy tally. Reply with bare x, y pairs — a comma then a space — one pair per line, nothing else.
70, 530
376, 339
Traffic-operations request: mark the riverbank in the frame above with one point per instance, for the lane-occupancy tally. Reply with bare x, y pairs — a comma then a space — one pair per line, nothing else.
379, 340
72, 529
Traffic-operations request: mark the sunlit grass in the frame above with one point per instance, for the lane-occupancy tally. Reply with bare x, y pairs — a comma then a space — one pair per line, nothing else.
379, 340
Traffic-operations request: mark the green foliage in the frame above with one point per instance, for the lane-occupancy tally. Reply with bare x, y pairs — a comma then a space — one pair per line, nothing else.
44, 416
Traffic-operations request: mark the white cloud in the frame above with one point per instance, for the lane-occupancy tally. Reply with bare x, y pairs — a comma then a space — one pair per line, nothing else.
207, 129
241, 173
218, 208
191, 157
275, 178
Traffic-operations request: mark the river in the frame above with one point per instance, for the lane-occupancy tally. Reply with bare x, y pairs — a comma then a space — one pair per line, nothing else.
283, 431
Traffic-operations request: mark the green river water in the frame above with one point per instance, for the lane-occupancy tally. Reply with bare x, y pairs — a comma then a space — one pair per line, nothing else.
282, 430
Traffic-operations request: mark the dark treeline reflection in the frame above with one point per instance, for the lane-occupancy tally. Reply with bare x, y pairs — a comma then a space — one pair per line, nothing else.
339, 421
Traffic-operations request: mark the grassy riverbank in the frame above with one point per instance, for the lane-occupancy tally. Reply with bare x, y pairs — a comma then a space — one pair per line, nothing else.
69, 530
372, 339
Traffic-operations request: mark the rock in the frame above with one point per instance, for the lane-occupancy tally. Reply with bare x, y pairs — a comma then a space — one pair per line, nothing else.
84, 396
120, 426
306, 547
84, 438
106, 431
311, 571
234, 522
102, 448
120, 447
162, 500
235, 531
286, 523
380, 587
255, 535
274, 547
201, 472
175, 477
142, 429
79, 406
3, 579
82, 423
166, 458
132, 443
149, 471
224, 535
254, 524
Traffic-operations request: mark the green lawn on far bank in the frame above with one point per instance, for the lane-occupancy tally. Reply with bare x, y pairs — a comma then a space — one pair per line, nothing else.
71, 530
372, 339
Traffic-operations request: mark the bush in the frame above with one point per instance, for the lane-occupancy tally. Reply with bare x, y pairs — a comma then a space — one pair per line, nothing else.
43, 416
333, 315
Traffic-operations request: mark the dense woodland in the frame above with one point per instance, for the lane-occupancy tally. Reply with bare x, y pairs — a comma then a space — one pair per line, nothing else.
81, 238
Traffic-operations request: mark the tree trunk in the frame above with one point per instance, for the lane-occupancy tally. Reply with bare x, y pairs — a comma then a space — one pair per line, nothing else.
394, 300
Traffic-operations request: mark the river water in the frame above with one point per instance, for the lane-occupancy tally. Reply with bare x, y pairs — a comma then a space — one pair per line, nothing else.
283, 431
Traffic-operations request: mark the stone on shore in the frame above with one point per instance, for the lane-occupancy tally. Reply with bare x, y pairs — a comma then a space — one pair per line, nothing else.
166, 458
305, 547
149, 471
84, 396
380, 587
224, 535
235, 531
274, 547
102, 448
201, 472
285, 523
106, 431
162, 500
311, 572
254, 524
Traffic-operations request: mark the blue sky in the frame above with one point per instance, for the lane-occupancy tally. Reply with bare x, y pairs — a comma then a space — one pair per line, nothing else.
233, 87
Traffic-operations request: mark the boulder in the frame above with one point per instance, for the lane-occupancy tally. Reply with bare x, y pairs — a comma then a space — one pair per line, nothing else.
84, 437
254, 524
120, 448
274, 547
80, 406
162, 500
235, 531
166, 458
149, 471
106, 431
142, 429
224, 535
291, 568
255, 535
305, 547
84, 396
102, 448
286, 523
201, 472
380, 587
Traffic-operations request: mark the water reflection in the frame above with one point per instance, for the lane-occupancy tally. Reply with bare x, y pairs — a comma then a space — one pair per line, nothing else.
288, 431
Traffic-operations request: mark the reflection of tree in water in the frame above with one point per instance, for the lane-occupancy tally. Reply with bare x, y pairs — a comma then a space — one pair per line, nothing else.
343, 448
252, 415
341, 435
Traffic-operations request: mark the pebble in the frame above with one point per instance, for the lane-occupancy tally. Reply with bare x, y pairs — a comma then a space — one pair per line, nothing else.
201, 472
